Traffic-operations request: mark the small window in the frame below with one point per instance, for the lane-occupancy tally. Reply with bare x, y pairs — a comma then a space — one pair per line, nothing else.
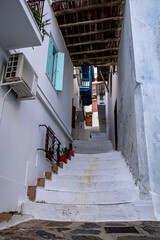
55, 65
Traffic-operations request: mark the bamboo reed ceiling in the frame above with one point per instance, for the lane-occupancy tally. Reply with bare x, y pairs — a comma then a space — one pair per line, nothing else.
91, 30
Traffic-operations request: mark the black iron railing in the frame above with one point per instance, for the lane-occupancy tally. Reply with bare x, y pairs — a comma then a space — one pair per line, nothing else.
52, 145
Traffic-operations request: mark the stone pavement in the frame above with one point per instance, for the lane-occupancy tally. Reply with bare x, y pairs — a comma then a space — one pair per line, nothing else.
39, 230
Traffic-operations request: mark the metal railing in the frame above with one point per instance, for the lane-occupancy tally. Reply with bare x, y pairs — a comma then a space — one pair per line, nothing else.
37, 5
85, 83
52, 145
86, 88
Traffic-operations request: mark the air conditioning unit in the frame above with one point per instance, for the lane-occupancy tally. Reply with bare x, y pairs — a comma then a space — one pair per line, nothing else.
20, 76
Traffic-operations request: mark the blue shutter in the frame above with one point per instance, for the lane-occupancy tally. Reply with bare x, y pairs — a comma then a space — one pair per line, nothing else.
59, 63
55, 69
50, 58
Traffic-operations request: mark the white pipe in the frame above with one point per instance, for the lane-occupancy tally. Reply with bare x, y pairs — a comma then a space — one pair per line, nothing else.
3, 103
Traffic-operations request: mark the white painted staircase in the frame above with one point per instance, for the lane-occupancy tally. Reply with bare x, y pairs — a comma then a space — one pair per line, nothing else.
92, 187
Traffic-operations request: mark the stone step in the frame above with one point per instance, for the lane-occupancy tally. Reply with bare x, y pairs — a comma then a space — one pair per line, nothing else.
105, 197
92, 147
111, 154
90, 178
133, 211
102, 166
92, 171
105, 162
97, 160
88, 187
97, 134
102, 140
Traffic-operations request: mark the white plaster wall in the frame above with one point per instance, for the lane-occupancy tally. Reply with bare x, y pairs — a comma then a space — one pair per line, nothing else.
128, 94
145, 17
95, 122
88, 108
127, 138
112, 98
107, 116
20, 134
101, 102
76, 93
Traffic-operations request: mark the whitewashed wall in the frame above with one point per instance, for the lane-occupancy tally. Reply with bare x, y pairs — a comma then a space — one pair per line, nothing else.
127, 92
138, 96
20, 134
145, 18
112, 98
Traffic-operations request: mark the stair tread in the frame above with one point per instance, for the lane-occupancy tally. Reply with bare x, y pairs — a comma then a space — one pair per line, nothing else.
130, 211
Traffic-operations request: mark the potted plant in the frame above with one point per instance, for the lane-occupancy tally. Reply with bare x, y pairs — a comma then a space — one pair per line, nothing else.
101, 95
66, 152
40, 22
63, 155
71, 152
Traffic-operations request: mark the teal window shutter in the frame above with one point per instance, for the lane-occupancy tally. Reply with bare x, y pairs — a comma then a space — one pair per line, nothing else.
50, 58
58, 78
55, 69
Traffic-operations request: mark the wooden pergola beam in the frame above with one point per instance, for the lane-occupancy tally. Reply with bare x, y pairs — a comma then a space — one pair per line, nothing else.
93, 32
86, 8
107, 64
104, 64
107, 88
74, 24
95, 58
94, 51
93, 42
95, 64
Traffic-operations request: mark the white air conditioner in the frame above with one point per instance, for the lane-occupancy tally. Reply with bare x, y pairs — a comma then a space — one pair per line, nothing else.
20, 76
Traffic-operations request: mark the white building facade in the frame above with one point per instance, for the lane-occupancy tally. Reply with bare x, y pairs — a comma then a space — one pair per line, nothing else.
20, 134
134, 100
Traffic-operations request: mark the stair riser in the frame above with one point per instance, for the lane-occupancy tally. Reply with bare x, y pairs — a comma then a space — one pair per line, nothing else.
98, 160
89, 179
107, 197
92, 171
89, 213
106, 166
91, 156
87, 187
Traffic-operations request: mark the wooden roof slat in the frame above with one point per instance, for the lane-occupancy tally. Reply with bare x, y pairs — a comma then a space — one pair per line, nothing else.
94, 51
73, 24
96, 64
86, 8
93, 32
106, 64
93, 42
96, 58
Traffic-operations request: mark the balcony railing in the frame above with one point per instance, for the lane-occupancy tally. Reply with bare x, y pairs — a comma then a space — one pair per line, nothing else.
37, 5
86, 87
52, 146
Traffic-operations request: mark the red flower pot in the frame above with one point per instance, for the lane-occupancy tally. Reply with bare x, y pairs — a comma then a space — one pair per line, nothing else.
62, 159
